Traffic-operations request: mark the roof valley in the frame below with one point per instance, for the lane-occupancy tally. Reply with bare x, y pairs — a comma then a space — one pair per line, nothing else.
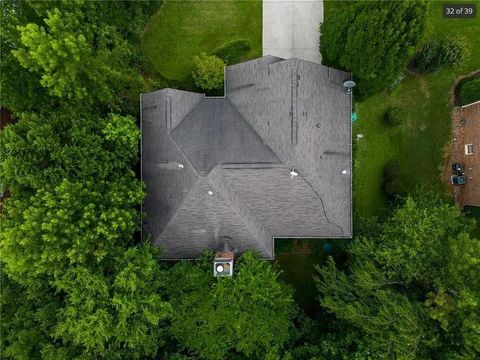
251, 221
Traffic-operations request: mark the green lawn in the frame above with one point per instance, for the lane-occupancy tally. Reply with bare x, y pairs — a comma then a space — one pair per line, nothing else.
182, 29
419, 144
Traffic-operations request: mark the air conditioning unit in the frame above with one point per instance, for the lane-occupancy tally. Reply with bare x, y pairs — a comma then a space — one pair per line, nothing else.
223, 263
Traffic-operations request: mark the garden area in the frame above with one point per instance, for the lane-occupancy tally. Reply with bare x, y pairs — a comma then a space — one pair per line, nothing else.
181, 30
417, 146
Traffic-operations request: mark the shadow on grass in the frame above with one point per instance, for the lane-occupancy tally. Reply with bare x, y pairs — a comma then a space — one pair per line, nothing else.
297, 258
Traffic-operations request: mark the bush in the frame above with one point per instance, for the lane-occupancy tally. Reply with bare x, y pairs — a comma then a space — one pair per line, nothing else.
434, 54
233, 51
209, 72
428, 59
470, 91
392, 182
453, 51
394, 116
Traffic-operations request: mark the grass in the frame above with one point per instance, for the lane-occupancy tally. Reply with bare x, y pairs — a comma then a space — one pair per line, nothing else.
182, 29
419, 144
297, 258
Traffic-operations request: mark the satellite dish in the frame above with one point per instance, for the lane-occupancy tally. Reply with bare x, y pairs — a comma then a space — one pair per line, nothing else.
349, 84
219, 268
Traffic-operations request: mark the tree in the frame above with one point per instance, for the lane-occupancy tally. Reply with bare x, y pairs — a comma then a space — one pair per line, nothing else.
77, 52
410, 289
117, 311
350, 40
208, 73
74, 195
249, 313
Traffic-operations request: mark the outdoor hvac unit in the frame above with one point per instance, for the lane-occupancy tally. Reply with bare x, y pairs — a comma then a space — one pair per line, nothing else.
223, 263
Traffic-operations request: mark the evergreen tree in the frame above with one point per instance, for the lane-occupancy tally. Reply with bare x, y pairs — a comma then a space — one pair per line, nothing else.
350, 40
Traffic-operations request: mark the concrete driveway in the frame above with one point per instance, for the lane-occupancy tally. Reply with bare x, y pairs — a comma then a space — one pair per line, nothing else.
290, 28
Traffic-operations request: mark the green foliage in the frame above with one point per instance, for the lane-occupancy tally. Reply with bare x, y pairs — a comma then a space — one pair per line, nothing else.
209, 72
23, 320
233, 51
410, 289
42, 150
454, 51
71, 51
73, 191
118, 312
429, 59
73, 223
433, 54
350, 40
249, 313
74, 286
470, 91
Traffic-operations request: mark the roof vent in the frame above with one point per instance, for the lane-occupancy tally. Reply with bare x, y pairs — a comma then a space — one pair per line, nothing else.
293, 173
344, 172
181, 166
210, 192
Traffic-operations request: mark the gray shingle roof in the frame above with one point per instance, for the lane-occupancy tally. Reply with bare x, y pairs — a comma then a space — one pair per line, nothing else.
216, 133
218, 169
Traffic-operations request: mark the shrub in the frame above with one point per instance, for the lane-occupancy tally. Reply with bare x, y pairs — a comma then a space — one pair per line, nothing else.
394, 116
233, 51
454, 51
428, 59
392, 183
470, 91
209, 72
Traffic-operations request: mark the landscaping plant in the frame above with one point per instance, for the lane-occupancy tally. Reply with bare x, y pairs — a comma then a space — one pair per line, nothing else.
233, 51
209, 72
429, 58
454, 51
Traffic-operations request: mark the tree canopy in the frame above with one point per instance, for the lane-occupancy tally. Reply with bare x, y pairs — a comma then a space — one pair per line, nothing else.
249, 313
350, 40
80, 53
410, 289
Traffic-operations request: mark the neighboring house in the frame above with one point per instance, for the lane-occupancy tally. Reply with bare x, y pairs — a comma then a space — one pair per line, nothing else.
270, 159
466, 150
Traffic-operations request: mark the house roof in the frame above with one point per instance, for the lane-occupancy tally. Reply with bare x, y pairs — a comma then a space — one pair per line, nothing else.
217, 170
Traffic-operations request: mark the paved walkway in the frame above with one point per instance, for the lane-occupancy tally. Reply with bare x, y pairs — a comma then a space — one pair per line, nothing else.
290, 28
